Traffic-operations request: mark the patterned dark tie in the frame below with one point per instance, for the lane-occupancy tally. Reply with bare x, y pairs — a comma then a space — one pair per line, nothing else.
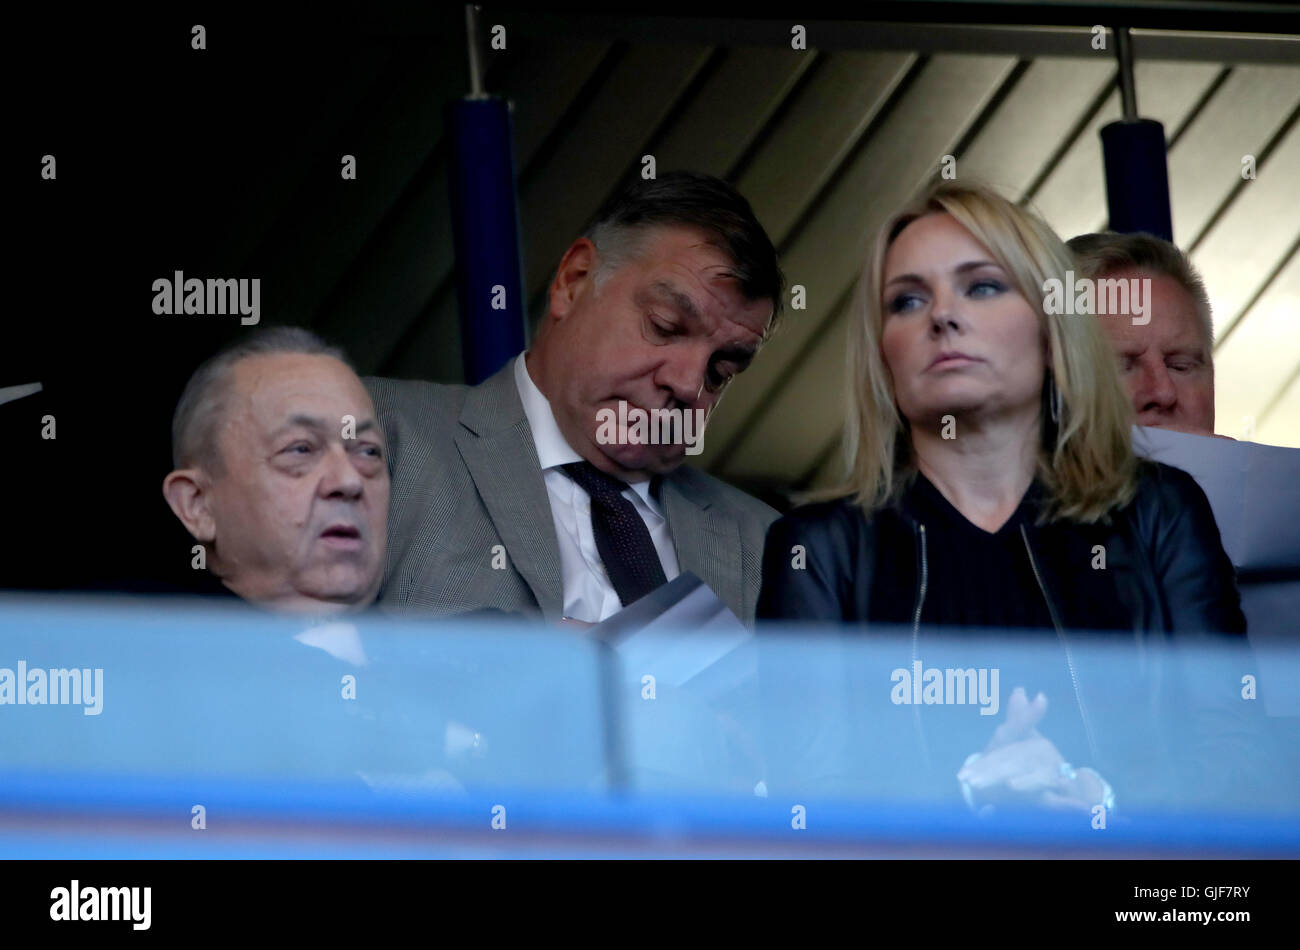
622, 537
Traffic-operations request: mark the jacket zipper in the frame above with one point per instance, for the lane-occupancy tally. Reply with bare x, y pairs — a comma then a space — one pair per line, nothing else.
916, 629
1060, 633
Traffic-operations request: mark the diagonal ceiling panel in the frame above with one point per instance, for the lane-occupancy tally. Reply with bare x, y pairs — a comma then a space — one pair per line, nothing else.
1256, 361
822, 123
1073, 198
1029, 125
1279, 426
1251, 238
541, 81
803, 417
1205, 163
724, 115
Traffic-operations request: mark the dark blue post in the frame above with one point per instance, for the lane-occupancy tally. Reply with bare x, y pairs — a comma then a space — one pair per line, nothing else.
485, 222
1137, 178
1137, 168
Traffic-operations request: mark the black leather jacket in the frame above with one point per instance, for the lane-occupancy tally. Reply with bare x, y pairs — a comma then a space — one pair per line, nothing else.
1163, 550
1170, 572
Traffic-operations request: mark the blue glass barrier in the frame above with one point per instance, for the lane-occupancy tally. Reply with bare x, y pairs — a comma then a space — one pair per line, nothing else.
201, 731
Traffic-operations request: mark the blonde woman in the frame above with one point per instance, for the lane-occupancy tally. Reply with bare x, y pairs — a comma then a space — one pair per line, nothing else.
988, 444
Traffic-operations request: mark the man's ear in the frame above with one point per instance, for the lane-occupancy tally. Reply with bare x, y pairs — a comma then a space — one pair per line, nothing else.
187, 492
576, 270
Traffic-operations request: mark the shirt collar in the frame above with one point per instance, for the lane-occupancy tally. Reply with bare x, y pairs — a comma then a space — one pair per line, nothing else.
553, 449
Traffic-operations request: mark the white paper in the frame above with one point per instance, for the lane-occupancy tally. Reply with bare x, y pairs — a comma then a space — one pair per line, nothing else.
1254, 490
679, 631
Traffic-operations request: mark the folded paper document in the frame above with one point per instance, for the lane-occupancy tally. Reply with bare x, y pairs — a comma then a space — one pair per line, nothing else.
1254, 491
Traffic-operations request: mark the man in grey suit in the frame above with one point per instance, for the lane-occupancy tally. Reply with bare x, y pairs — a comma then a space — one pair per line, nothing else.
539, 491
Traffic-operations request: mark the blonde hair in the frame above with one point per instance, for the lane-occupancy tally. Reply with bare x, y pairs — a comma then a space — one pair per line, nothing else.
1086, 462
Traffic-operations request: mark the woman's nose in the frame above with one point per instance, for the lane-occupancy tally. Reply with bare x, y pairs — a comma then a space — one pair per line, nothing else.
943, 313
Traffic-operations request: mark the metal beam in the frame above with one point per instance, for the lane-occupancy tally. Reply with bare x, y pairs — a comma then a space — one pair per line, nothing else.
1026, 42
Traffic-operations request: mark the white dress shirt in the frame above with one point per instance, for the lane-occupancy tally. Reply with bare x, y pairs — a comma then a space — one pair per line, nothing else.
588, 593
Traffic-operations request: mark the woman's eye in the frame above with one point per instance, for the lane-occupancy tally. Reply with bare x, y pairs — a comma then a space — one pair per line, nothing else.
904, 302
986, 288
299, 448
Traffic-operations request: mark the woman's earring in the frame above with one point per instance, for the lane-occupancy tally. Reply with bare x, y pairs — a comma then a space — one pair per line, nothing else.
1054, 400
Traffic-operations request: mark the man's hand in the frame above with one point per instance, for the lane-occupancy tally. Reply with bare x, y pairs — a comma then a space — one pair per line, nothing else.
1019, 765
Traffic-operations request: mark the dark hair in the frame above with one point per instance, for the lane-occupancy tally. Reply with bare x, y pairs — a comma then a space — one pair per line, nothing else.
201, 404
696, 200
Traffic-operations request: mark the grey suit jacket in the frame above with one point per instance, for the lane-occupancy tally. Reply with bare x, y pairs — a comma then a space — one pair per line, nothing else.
465, 478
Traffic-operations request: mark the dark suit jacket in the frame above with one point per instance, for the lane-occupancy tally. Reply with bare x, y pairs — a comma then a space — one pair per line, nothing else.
465, 478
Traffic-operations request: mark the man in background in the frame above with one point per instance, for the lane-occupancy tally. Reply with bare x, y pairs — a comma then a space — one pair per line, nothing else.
1166, 364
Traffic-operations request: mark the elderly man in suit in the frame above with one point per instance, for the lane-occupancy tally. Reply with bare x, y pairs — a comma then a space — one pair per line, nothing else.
280, 475
536, 492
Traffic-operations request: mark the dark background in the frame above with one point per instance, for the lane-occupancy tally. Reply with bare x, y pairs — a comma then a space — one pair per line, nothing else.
168, 159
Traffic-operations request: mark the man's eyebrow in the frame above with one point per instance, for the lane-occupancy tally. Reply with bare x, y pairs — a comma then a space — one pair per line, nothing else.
300, 421
666, 292
316, 423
